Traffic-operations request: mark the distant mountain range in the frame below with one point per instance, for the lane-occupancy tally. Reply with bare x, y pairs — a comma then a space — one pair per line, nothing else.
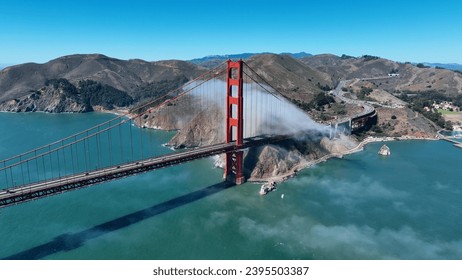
243, 56
212, 61
450, 66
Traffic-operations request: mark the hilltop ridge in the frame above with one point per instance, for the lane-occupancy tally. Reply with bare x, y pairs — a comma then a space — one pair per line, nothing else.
125, 75
410, 77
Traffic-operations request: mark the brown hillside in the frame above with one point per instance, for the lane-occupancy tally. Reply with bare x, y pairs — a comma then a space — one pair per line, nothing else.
410, 77
291, 77
16, 81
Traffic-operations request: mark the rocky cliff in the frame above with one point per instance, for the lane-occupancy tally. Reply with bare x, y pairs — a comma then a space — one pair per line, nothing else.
59, 95
202, 130
279, 160
47, 99
282, 160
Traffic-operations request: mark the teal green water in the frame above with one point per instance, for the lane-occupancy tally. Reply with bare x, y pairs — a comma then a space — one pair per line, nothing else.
406, 206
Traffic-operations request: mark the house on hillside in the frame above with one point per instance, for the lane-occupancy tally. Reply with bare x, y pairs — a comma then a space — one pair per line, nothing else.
445, 105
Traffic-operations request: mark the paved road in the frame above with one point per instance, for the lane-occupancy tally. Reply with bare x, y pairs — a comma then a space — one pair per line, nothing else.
339, 93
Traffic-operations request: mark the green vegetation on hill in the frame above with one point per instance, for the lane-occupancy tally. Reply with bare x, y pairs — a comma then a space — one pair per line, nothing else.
448, 112
319, 101
344, 56
155, 89
419, 100
92, 93
421, 65
322, 106
364, 93
370, 57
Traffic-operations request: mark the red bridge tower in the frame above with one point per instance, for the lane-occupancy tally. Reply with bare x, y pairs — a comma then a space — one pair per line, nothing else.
234, 122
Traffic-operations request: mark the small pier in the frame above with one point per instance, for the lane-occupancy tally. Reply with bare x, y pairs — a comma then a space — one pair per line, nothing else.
456, 143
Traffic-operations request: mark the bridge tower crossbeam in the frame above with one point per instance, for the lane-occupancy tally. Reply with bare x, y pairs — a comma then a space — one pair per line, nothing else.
234, 163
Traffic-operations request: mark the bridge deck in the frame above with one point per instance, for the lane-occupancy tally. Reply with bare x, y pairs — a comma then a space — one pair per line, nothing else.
29, 192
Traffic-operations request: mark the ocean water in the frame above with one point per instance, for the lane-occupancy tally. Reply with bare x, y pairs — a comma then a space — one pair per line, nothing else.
364, 206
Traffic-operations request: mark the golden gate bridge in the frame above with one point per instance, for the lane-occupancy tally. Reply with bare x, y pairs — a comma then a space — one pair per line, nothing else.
243, 109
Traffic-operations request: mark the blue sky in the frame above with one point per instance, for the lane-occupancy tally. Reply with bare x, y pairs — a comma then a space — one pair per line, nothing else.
416, 31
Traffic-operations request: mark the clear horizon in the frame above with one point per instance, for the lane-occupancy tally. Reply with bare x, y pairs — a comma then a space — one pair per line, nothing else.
4, 65
416, 31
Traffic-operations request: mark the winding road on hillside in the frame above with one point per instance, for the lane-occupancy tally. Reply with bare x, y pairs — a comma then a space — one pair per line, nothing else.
338, 92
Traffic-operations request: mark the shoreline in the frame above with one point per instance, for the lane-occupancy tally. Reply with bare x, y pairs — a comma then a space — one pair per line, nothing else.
358, 148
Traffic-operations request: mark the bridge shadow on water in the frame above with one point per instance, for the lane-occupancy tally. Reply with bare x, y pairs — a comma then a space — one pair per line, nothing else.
71, 241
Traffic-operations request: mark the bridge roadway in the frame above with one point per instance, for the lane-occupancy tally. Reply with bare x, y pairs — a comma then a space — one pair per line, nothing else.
41, 189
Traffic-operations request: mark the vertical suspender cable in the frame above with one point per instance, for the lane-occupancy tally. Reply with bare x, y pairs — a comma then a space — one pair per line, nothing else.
268, 113
44, 171
28, 171
85, 151
59, 163
51, 162
6, 174
121, 144
109, 139
141, 140
131, 139
64, 157
263, 109
22, 170
76, 156
36, 165
13, 183
98, 152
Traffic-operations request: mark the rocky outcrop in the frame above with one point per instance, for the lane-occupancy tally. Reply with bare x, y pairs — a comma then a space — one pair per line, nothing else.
340, 145
384, 150
47, 99
60, 95
170, 115
202, 130
196, 125
273, 161
283, 159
